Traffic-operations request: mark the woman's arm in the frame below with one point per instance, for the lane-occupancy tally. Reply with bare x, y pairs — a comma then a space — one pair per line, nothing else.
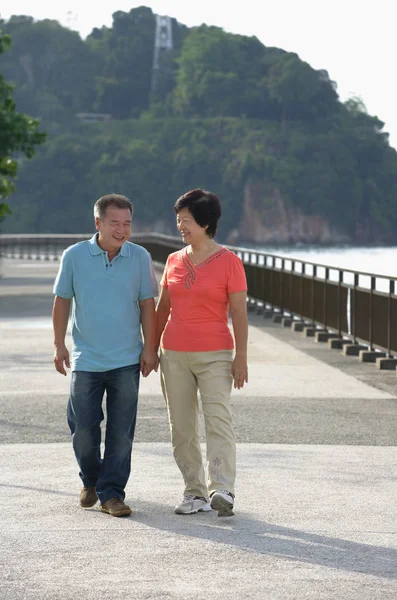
238, 311
148, 360
162, 312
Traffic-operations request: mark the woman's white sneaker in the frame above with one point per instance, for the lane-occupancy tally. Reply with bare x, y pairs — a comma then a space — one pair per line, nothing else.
191, 505
223, 502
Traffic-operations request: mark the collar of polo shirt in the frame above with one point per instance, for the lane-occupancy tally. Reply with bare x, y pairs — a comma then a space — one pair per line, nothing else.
96, 249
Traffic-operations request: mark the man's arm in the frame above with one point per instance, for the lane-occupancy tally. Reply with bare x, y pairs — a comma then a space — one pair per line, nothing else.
148, 356
60, 317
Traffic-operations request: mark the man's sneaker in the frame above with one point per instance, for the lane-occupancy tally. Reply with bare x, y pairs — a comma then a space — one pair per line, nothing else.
192, 504
88, 497
116, 508
223, 502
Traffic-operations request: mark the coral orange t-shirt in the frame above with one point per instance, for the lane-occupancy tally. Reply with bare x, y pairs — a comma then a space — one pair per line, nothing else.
199, 295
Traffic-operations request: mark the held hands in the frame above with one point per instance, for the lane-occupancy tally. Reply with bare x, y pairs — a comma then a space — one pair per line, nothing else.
61, 357
149, 361
239, 371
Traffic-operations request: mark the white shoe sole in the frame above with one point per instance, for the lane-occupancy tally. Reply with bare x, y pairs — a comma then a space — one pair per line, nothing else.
204, 508
223, 506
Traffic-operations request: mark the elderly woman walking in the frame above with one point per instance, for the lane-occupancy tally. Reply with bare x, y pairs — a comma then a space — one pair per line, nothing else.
200, 284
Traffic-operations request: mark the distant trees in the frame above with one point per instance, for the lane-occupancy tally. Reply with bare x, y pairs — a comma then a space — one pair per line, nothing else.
226, 111
126, 52
52, 68
301, 93
220, 74
18, 133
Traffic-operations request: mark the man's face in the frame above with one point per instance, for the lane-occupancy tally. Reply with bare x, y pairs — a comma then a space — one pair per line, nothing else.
114, 229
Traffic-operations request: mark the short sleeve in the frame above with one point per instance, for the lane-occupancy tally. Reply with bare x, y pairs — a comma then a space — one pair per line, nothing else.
237, 281
148, 288
63, 285
164, 279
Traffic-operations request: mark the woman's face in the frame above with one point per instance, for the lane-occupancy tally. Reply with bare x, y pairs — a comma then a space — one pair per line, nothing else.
190, 230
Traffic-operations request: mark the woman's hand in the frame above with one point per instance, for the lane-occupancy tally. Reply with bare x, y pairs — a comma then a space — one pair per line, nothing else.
149, 361
238, 311
239, 371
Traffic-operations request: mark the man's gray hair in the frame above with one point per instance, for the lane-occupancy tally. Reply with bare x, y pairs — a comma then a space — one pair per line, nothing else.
101, 205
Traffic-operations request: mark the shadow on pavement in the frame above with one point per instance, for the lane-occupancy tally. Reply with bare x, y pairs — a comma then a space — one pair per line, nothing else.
247, 533
244, 532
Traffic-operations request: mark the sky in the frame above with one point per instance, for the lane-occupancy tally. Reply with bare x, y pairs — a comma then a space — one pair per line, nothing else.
354, 40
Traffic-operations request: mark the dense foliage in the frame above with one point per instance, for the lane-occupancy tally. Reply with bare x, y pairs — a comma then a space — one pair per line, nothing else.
18, 133
226, 111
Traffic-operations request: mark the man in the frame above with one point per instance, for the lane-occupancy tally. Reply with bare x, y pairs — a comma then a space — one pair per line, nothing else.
112, 284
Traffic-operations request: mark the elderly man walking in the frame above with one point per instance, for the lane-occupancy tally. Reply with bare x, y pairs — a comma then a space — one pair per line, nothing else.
112, 286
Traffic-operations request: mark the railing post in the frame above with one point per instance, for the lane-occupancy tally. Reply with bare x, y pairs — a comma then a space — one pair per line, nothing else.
271, 295
47, 246
302, 277
282, 286
389, 319
340, 281
290, 286
353, 308
325, 298
263, 286
314, 275
255, 277
373, 285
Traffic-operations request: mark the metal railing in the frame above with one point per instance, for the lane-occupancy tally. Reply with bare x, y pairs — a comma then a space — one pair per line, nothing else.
50, 246
359, 305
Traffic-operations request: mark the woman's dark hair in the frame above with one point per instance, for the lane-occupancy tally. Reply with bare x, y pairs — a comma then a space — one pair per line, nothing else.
204, 206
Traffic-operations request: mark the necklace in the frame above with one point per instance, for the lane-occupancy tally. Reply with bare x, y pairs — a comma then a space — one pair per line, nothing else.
198, 257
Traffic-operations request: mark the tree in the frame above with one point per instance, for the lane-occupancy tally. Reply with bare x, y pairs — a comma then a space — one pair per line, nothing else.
124, 87
302, 93
53, 69
215, 71
18, 133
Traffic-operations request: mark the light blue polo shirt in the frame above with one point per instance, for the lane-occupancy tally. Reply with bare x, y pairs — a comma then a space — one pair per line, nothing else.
106, 324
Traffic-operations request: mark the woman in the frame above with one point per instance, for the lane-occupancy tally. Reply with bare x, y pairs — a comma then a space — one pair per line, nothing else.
200, 283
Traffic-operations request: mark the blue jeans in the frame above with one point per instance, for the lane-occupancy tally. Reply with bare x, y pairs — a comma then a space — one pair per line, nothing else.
108, 474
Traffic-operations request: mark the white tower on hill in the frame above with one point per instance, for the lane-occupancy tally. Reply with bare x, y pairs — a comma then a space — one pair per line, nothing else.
162, 43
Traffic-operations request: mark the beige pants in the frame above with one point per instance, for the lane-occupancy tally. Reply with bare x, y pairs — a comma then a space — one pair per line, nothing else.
183, 374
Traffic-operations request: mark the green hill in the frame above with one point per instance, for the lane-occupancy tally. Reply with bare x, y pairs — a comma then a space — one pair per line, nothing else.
254, 124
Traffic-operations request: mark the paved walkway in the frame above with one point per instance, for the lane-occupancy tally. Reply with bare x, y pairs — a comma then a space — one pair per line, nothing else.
316, 492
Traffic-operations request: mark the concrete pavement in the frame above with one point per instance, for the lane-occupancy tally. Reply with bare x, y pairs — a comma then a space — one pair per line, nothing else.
316, 490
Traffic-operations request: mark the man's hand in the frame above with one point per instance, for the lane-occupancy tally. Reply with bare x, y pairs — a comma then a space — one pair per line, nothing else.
149, 361
239, 371
61, 357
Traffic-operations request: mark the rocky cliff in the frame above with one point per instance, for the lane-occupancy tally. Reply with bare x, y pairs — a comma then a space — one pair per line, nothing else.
266, 219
